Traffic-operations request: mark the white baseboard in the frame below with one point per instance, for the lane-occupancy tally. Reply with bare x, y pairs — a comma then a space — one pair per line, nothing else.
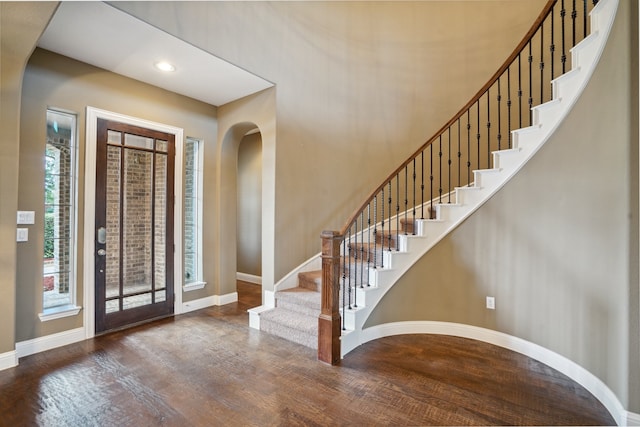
566, 366
249, 278
48, 342
226, 298
633, 419
209, 302
197, 304
8, 360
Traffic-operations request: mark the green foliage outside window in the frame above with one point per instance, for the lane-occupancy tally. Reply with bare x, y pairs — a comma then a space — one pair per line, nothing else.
49, 227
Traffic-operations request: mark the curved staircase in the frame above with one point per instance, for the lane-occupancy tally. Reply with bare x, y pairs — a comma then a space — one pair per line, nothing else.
293, 310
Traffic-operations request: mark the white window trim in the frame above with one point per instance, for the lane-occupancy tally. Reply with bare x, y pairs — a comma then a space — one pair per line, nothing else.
198, 283
194, 286
92, 116
59, 312
70, 309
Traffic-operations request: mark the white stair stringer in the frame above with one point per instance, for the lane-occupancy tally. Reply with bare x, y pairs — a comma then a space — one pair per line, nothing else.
525, 142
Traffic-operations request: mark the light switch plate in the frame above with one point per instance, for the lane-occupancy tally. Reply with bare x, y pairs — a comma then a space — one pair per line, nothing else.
22, 235
26, 217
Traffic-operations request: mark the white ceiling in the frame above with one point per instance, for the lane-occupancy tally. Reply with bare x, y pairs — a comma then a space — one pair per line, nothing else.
101, 35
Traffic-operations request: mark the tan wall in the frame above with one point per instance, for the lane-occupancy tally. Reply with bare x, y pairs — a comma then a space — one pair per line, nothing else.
557, 246
250, 205
360, 85
235, 119
52, 80
20, 27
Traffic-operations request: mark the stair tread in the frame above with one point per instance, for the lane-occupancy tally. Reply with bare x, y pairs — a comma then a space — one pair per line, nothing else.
291, 319
305, 298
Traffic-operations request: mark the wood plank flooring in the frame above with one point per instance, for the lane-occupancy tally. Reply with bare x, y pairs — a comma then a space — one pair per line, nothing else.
208, 368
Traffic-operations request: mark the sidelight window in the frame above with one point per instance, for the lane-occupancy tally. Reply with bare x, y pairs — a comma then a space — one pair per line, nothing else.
59, 213
193, 277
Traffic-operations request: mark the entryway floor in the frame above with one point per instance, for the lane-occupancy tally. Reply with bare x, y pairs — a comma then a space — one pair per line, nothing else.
208, 368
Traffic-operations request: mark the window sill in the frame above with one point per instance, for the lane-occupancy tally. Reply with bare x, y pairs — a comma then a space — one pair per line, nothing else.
59, 312
193, 286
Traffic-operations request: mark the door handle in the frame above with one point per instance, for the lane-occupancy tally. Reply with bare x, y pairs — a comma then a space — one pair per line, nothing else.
102, 235
102, 252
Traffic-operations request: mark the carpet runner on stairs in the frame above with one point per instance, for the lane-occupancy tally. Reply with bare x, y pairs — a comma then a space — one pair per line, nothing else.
296, 312
295, 316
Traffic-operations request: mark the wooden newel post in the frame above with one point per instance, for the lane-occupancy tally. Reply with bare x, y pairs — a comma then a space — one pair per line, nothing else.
329, 320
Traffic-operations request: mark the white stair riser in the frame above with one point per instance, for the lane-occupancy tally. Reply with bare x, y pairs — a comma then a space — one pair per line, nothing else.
547, 112
508, 159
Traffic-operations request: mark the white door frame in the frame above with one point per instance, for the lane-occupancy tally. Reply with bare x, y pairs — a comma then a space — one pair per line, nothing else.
88, 278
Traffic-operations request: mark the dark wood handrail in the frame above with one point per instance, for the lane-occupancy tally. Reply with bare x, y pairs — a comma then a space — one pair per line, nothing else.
525, 40
374, 228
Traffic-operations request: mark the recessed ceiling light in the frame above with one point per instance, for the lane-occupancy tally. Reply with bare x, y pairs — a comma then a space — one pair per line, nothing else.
165, 66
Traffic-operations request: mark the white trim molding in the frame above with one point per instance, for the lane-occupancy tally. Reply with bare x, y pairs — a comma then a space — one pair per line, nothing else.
48, 342
249, 278
92, 116
226, 298
198, 304
8, 360
556, 361
633, 419
209, 302
59, 312
193, 286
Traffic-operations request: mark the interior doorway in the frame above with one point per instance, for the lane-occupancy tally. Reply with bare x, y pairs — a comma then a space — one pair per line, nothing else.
249, 208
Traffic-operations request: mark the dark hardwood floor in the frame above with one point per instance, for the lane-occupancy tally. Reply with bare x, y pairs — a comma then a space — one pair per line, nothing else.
208, 368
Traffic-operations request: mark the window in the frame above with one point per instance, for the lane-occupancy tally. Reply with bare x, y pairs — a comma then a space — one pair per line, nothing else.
59, 214
193, 278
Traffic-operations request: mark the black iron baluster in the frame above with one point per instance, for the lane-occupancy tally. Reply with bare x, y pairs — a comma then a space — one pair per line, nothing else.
406, 196
499, 135
343, 258
390, 200
440, 171
509, 103
563, 58
530, 85
469, 146
349, 271
488, 129
542, 63
363, 250
584, 19
414, 193
431, 175
574, 15
397, 210
519, 91
478, 132
459, 153
449, 166
375, 234
369, 241
384, 236
356, 249
552, 47
422, 183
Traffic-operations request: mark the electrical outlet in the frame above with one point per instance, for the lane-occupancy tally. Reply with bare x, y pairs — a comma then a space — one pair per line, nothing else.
491, 303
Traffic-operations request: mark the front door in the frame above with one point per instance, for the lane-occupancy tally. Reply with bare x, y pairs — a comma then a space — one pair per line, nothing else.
134, 225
